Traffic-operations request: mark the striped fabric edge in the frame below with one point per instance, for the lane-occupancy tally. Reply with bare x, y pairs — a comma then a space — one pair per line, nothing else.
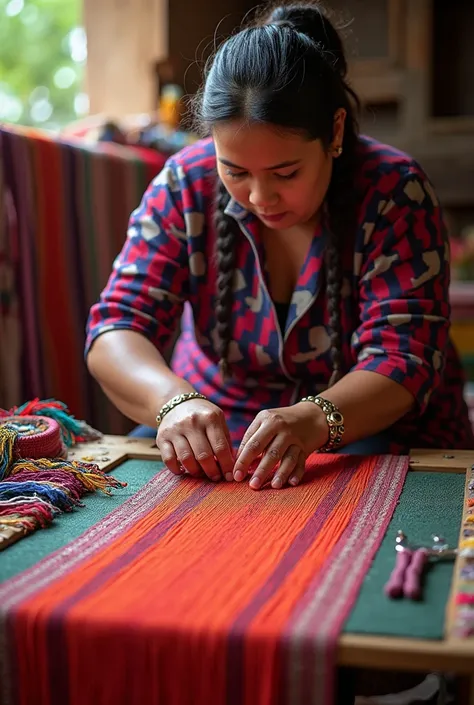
315, 626
56, 565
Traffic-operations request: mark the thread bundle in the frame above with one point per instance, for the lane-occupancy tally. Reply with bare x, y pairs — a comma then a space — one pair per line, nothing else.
37, 482
29, 437
72, 430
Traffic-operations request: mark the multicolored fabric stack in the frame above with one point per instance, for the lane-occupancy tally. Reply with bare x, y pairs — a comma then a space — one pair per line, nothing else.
63, 219
203, 593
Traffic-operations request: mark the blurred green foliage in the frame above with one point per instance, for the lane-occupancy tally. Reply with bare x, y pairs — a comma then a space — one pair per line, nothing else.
42, 59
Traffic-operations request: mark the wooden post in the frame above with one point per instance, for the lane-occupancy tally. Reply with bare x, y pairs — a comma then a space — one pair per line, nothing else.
125, 39
416, 105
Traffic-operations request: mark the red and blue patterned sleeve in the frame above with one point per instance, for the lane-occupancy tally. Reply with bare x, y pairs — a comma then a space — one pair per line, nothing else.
149, 282
404, 282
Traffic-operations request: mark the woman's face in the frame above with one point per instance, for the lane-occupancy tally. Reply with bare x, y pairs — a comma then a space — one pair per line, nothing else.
278, 175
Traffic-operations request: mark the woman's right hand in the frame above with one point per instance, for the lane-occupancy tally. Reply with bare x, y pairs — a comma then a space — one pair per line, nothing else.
194, 437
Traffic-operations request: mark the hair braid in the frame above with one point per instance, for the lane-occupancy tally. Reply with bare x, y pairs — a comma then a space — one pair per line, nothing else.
226, 231
333, 288
341, 219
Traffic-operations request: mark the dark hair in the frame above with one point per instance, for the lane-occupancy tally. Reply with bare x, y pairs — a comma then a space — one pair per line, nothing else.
289, 70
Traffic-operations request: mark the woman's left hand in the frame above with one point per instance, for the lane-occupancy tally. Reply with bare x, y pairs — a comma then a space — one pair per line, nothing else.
283, 437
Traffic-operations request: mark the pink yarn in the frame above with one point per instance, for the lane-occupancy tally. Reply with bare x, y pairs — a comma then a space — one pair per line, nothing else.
464, 598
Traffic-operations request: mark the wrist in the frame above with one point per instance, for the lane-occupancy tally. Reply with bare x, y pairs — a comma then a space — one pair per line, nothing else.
330, 419
158, 397
319, 426
175, 401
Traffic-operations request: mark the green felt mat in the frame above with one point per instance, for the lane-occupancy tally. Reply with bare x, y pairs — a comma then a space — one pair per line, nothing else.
67, 527
430, 503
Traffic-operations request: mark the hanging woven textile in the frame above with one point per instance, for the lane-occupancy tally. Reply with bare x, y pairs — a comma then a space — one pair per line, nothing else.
196, 593
72, 202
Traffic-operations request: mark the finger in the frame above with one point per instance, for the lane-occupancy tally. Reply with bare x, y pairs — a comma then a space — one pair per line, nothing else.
253, 428
253, 448
186, 456
297, 474
169, 457
288, 465
204, 455
270, 459
222, 450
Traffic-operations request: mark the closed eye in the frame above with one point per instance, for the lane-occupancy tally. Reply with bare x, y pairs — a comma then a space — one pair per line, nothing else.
235, 174
287, 177
240, 174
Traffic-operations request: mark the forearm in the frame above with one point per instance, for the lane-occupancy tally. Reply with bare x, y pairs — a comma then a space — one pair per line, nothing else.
133, 374
369, 402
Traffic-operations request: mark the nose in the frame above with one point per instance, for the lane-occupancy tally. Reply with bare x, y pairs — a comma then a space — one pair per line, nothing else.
262, 196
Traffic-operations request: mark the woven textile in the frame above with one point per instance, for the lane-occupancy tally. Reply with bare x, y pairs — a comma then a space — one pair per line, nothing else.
192, 592
69, 205
10, 346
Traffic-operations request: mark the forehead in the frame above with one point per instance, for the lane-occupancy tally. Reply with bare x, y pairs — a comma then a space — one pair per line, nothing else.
259, 146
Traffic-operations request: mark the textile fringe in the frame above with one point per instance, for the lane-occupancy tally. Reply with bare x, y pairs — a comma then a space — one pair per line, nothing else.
34, 490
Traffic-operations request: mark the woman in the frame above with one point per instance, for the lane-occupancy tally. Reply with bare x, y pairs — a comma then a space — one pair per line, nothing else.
314, 269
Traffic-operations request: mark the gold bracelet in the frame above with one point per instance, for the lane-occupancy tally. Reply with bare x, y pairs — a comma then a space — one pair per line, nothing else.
176, 401
335, 422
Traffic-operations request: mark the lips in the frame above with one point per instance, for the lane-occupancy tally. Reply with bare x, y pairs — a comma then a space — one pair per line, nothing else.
272, 218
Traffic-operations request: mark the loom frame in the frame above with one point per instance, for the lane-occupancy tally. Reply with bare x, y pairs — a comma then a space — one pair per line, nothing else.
355, 650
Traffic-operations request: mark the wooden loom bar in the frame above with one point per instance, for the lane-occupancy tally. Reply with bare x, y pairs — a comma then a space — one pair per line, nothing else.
120, 448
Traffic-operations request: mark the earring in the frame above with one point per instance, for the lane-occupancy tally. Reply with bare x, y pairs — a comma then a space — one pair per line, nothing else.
337, 151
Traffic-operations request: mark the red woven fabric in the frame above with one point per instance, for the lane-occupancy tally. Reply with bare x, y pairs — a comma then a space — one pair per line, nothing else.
195, 593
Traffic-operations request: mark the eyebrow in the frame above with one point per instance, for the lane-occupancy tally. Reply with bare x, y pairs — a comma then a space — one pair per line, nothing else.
282, 165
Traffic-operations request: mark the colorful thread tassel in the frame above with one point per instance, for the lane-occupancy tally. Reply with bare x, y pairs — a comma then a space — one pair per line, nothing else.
7, 441
34, 490
72, 430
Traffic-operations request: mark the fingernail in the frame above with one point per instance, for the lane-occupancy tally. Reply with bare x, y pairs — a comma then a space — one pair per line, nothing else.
255, 483
229, 477
277, 483
216, 478
238, 476
294, 481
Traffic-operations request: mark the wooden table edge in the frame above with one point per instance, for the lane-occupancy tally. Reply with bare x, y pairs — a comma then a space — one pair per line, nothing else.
405, 654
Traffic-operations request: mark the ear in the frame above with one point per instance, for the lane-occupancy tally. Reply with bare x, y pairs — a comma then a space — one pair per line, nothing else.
338, 128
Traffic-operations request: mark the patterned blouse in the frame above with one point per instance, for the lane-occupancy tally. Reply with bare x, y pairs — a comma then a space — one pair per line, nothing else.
395, 307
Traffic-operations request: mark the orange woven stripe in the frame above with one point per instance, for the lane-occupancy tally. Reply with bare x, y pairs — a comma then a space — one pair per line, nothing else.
40, 605
185, 577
